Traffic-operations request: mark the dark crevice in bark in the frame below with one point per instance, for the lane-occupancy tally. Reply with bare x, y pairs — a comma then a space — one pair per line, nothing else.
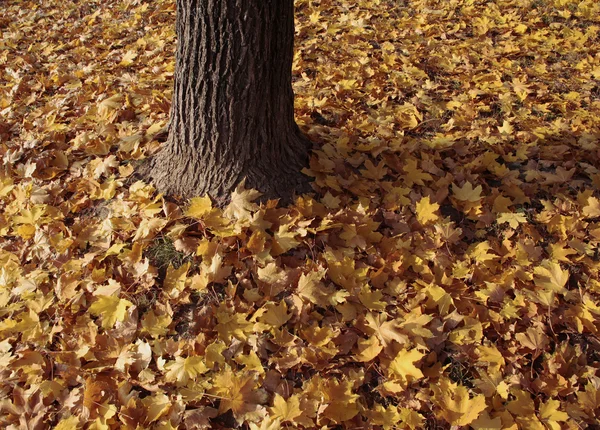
232, 115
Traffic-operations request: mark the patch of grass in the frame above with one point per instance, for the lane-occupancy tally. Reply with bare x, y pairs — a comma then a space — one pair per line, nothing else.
163, 253
459, 372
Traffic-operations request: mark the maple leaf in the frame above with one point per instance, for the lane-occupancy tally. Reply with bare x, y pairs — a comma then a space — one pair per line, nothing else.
388, 417
479, 252
385, 330
426, 210
214, 353
403, 368
368, 349
156, 406
241, 207
286, 410
232, 324
456, 405
342, 404
592, 209
181, 370
550, 414
67, 423
199, 207
414, 175
485, 422
513, 219
175, 278
267, 424
111, 309
275, 315
156, 325
551, 277
506, 128
238, 392
284, 240
467, 193
590, 398
128, 58
330, 201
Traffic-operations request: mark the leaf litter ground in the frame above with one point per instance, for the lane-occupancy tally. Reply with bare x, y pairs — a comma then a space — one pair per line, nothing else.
444, 273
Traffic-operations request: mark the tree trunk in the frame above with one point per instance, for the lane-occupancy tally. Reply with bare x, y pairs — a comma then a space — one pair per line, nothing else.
232, 115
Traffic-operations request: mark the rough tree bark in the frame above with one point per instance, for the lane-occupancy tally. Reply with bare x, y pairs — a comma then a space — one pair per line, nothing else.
232, 114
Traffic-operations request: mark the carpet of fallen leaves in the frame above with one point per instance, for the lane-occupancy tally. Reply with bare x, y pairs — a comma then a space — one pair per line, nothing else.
444, 273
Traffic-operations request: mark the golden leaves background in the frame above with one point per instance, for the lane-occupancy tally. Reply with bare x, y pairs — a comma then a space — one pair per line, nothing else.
445, 273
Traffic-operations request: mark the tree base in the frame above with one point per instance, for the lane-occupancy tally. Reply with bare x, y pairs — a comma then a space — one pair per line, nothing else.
185, 174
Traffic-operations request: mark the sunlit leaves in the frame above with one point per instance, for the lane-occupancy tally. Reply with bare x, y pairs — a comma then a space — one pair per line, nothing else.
286, 410
443, 273
198, 207
385, 330
241, 205
111, 309
550, 276
467, 192
181, 370
457, 406
426, 210
403, 366
368, 349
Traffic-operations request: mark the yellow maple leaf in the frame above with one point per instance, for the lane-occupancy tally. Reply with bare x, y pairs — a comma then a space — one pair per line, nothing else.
368, 349
284, 240
456, 406
590, 398
241, 207
199, 207
250, 361
111, 309
68, 423
426, 211
414, 175
467, 193
490, 354
175, 278
513, 219
506, 128
257, 241
481, 25
592, 209
128, 58
371, 298
485, 422
275, 315
385, 330
479, 252
156, 406
469, 333
238, 392
156, 325
534, 339
232, 324
341, 398
388, 417
403, 366
411, 418
214, 353
560, 252
330, 201
551, 277
181, 370
286, 410
551, 416
267, 424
